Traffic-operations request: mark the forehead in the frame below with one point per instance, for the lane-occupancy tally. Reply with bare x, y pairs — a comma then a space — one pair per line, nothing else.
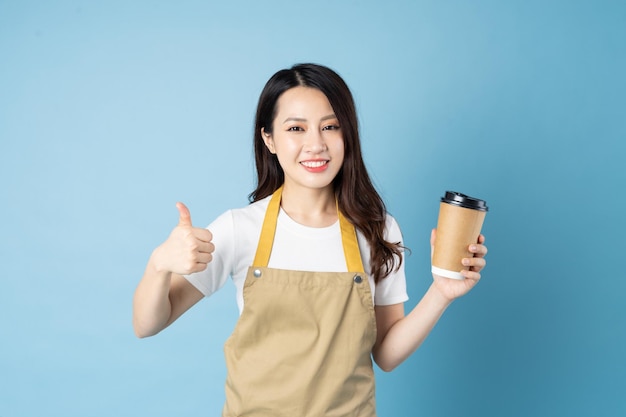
302, 101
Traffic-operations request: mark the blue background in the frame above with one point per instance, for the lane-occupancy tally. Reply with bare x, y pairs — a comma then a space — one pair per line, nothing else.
110, 112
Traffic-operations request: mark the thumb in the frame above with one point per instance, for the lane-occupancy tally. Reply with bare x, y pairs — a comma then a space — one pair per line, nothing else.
185, 216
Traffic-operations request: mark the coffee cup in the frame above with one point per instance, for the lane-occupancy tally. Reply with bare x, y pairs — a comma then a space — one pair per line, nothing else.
460, 220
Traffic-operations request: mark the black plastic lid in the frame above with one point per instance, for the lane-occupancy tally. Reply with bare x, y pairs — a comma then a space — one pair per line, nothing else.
462, 200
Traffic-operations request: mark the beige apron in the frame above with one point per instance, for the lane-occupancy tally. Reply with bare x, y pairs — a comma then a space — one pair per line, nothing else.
302, 346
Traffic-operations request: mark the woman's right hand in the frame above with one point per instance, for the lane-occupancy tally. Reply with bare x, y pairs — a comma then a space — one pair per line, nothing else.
188, 249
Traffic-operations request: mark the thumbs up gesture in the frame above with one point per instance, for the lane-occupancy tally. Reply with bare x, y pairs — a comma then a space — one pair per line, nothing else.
188, 249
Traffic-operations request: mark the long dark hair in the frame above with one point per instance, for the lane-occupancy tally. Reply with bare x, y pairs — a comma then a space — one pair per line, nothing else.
358, 200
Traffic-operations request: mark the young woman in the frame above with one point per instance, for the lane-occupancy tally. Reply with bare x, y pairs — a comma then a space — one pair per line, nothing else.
316, 260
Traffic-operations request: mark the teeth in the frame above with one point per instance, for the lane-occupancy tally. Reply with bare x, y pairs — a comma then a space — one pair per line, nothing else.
313, 164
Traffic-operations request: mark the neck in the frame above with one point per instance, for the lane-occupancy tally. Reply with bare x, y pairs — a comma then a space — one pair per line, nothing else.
309, 206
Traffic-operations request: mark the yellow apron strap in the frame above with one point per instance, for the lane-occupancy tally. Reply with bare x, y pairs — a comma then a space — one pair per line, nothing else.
350, 244
266, 240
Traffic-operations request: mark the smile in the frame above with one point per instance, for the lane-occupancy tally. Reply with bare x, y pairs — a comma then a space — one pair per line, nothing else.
317, 166
314, 164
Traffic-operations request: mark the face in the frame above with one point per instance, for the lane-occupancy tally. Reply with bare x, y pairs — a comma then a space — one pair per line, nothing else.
306, 138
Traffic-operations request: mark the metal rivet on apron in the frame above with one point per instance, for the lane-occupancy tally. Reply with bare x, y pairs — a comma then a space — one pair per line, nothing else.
358, 279
257, 273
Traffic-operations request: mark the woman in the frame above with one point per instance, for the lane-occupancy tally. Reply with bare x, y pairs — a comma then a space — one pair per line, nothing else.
301, 256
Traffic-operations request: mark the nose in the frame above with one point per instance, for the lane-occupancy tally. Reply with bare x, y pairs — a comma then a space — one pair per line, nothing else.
315, 142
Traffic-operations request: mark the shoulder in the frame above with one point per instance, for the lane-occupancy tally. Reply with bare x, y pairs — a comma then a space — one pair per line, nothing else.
240, 223
391, 233
239, 220
392, 229
252, 214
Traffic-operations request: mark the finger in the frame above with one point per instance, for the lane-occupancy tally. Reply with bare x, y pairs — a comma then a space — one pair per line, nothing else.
203, 235
481, 239
476, 264
198, 267
184, 218
204, 258
205, 247
471, 275
201, 262
478, 250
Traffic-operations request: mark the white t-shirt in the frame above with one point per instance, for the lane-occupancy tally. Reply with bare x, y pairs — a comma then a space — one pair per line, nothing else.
296, 247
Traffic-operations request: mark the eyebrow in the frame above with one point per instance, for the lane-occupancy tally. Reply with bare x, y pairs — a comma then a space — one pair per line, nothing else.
301, 119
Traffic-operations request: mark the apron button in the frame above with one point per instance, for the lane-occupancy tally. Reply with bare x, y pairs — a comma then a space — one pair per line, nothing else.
257, 273
358, 279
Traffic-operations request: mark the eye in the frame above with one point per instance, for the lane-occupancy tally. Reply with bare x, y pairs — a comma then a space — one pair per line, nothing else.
331, 127
295, 129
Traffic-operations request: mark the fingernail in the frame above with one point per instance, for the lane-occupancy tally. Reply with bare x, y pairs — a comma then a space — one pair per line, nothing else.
465, 261
473, 248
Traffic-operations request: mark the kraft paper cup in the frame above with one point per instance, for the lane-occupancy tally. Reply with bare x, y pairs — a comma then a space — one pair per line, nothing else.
460, 220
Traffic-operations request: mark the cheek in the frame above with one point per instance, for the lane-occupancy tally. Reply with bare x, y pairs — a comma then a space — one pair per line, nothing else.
337, 146
341, 151
286, 147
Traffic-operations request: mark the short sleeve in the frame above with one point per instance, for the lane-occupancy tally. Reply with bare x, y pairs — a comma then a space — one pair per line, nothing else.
392, 289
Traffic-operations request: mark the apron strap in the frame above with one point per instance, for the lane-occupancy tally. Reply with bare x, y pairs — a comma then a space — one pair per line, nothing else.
349, 240
266, 241
350, 244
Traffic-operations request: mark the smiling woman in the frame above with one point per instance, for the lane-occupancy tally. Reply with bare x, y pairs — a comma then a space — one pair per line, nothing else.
316, 260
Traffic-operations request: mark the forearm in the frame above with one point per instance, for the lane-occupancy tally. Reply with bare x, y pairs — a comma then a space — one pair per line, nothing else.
408, 333
151, 303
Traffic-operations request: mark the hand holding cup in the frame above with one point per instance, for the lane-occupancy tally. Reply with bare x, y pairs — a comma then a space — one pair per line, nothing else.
454, 288
457, 248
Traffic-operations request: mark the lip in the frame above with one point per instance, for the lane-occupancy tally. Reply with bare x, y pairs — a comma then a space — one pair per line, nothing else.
315, 165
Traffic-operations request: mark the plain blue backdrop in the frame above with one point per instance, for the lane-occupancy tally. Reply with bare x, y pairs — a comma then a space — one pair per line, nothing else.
110, 112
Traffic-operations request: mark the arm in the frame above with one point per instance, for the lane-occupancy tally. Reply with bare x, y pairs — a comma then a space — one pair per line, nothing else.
161, 298
398, 336
163, 294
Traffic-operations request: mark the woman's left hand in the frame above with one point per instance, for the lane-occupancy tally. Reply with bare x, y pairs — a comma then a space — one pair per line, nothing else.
454, 288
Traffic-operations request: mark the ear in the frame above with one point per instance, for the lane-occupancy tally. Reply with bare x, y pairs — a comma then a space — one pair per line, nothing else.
269, 141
